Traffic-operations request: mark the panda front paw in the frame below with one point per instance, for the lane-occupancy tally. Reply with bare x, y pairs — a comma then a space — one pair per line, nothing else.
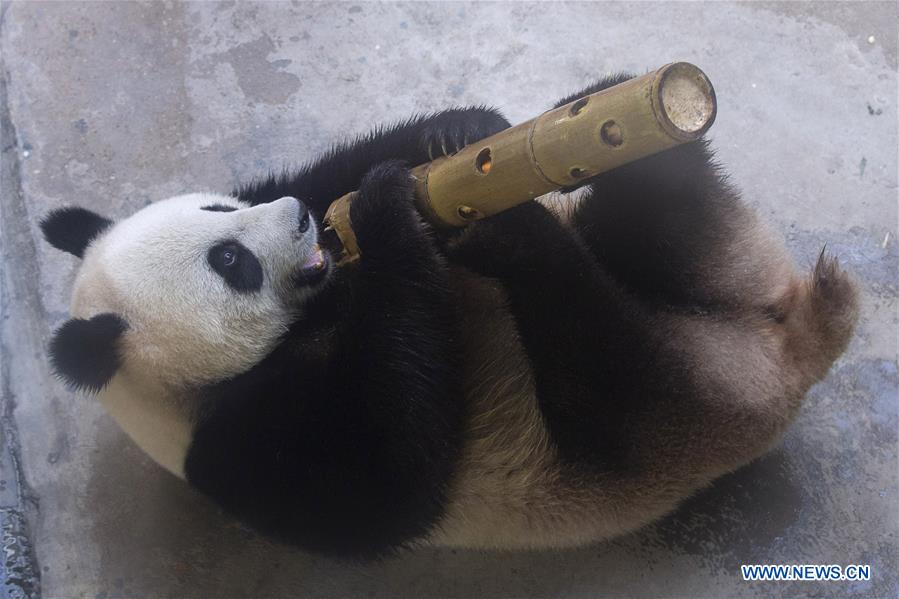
383, 212
511, 240
450, 131
523, 240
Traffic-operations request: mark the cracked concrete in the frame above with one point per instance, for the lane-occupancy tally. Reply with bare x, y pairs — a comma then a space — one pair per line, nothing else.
18, 569
115, 105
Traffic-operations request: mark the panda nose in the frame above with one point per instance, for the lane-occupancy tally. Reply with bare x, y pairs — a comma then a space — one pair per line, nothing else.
303, 217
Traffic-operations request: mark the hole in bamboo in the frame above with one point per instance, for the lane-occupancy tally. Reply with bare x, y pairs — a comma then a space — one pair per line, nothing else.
578, 106
577, 172
483, 162
611, 134
467, 213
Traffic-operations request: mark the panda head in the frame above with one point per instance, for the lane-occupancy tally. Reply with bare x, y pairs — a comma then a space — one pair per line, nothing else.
186, 292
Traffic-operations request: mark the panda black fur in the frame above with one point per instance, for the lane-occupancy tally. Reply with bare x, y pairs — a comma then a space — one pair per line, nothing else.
536, 380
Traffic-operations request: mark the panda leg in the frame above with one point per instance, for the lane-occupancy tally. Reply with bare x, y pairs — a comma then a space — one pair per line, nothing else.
669, 228
579, 330
631, 389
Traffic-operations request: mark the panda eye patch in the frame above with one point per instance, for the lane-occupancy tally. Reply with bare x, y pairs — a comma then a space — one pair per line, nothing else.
237, 265
218, 208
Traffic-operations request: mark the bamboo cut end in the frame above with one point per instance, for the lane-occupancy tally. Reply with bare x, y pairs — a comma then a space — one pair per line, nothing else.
687, 100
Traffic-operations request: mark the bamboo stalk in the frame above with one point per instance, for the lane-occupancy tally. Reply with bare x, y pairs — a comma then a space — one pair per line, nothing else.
670, 106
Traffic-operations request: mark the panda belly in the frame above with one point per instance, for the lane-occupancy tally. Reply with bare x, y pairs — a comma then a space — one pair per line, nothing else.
511, 490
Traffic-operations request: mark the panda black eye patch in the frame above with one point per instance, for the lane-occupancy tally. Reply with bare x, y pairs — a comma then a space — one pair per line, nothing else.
218, 208
237, 265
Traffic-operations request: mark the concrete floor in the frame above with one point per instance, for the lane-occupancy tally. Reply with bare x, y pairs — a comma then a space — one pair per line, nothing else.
114, 105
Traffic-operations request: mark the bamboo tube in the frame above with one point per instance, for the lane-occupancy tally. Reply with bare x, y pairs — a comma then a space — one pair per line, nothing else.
670, 106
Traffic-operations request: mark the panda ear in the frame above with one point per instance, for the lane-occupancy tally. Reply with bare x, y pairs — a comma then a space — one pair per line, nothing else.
85, 353
72, 229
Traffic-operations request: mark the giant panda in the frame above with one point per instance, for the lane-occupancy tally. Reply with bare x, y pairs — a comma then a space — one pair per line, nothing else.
542, 378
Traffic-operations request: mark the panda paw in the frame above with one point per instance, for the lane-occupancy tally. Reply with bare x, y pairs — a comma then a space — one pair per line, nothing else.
523, 238
383, 212
450, 131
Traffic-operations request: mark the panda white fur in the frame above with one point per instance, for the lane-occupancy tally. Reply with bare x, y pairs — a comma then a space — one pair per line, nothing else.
531, 381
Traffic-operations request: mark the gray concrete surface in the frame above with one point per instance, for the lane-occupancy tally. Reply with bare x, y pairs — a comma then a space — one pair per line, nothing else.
113, 105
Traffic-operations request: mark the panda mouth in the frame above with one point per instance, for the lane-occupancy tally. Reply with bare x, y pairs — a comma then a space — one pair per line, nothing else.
314, 269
